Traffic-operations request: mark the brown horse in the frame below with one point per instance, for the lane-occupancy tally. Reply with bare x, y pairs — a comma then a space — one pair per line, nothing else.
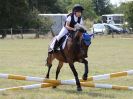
75, 51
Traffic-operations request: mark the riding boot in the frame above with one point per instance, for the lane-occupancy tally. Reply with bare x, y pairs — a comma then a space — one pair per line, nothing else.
56, 45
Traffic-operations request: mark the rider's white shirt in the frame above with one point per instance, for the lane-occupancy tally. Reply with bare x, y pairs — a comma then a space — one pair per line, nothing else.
64, 29
75, 18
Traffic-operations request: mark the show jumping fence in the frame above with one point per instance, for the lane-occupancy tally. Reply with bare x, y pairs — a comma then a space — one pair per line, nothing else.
43, 80
84, 84
49, 83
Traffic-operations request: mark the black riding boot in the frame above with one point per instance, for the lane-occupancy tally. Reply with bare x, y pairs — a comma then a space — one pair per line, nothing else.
56, 45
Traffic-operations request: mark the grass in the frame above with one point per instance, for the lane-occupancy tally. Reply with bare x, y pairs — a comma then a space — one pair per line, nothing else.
27, 57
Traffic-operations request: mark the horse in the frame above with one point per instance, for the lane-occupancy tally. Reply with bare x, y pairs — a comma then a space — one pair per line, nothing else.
75, 50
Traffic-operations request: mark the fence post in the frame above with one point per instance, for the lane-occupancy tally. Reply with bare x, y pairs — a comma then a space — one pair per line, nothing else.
3, 33
93, 33
37, 33
11, 34
112, 34
21, 33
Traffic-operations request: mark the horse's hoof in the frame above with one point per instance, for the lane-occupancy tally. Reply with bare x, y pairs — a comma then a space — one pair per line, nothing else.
46, 77
84, 78
54, 87
79, 89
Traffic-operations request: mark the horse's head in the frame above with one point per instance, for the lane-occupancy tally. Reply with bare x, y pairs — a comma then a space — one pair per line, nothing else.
84, 41
79, 32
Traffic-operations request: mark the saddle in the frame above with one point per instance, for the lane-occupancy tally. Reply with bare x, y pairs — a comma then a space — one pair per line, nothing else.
61, 42
63, 39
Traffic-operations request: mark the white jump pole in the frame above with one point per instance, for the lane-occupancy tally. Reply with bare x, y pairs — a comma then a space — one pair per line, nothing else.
43, 80
85, 84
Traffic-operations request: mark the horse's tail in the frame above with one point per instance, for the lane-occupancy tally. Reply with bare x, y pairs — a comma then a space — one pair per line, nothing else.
49, 59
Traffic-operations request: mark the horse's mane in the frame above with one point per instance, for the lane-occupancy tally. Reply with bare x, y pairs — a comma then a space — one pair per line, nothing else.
81, 30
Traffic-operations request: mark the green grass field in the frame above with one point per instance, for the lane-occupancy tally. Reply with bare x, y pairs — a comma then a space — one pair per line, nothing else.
27, 57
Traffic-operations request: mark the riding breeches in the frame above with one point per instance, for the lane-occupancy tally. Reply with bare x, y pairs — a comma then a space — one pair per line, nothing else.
63, 32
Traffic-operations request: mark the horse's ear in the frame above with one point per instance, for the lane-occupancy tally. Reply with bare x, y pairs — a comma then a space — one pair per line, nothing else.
82, 30
85, 31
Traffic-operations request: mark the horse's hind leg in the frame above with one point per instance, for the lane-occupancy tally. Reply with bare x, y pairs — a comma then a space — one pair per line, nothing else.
58, 70
49, 60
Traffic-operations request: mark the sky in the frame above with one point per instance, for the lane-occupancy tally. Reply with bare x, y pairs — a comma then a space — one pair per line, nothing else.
117, 2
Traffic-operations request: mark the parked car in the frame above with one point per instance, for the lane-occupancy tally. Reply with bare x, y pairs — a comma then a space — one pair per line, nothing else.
99, 29
112, 28
105, 28
125, 31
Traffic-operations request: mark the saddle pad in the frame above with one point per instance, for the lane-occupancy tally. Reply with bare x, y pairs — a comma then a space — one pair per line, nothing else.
51, 46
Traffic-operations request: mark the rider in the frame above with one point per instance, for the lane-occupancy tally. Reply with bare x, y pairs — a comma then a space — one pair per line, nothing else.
73, 19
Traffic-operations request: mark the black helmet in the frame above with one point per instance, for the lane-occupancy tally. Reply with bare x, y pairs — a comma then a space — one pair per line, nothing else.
77, 7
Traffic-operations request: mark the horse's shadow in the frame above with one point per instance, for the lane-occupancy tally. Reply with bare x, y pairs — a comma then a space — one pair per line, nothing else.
92, 93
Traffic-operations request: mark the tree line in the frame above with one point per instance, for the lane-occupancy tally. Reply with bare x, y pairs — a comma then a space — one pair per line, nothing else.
24, 13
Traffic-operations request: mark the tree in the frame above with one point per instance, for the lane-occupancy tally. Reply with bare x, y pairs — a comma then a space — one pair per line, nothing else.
19, 13
87, 4
129, 13
13, 13
120, 9
127, 10
47, 6
102, 7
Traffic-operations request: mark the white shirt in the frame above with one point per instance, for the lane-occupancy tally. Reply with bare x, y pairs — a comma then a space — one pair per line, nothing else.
75, 19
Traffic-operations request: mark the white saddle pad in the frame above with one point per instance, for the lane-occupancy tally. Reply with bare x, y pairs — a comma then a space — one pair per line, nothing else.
51, 46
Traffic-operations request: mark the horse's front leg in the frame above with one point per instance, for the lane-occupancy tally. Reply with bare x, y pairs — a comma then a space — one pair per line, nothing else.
76, 76
47, 75
85, 75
